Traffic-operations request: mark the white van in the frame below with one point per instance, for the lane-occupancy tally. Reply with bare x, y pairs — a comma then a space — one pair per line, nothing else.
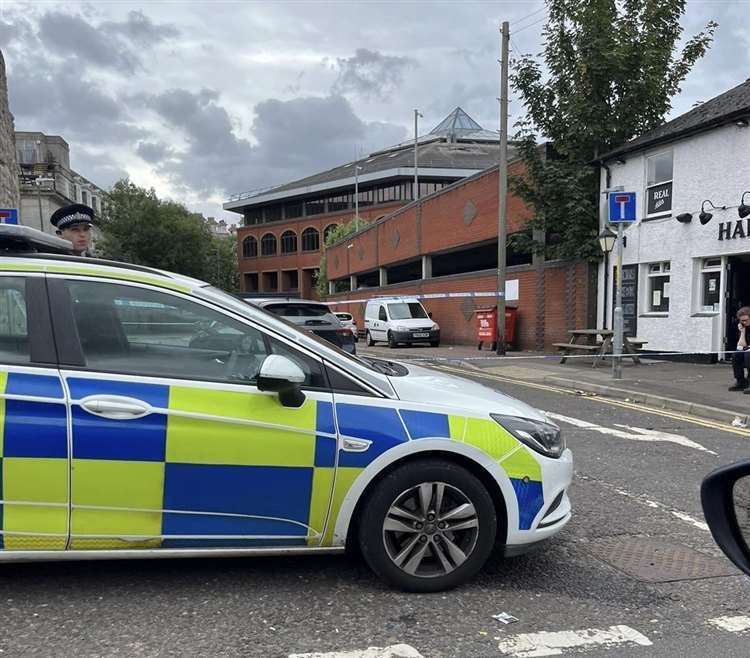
399, 320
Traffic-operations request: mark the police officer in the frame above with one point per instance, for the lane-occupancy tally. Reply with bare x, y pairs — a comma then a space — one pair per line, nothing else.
73, 223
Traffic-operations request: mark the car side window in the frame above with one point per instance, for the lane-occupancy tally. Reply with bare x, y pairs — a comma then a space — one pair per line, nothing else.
314, 377
137, 331
14, 336
381, 314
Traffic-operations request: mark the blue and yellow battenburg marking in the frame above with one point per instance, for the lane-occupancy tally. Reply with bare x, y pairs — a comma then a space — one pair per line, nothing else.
33, 464
177, 480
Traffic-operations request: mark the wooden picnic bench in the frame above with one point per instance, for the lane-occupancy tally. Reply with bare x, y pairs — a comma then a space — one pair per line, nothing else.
587, 341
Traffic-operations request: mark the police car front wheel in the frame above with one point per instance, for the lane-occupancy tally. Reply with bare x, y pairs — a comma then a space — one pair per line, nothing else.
428, 526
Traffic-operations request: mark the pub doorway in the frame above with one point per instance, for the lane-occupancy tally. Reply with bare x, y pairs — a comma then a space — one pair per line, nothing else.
738, 295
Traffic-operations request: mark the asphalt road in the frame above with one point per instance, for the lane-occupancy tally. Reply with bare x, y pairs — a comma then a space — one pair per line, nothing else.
637, 497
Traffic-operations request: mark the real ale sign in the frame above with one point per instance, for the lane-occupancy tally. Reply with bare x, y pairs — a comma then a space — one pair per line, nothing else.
8, 216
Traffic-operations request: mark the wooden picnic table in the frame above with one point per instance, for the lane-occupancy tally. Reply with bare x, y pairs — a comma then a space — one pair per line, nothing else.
588, 341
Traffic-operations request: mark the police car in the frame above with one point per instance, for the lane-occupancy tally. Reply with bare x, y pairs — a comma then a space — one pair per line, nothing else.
145, 414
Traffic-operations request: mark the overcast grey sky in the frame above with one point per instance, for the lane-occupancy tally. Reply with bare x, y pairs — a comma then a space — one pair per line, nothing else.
202, 99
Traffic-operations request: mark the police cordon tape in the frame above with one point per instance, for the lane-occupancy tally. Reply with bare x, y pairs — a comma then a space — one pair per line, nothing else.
431, 295
496, 357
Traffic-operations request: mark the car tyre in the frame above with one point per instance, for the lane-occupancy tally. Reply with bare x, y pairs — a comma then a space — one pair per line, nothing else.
434, 343
399, 495
391, 341
368, 338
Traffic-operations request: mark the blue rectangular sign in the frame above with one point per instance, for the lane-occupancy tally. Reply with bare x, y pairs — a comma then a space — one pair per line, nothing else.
621, 207
8, 216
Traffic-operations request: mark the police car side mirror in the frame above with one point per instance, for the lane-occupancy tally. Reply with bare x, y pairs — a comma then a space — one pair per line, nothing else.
725, 496
281, 375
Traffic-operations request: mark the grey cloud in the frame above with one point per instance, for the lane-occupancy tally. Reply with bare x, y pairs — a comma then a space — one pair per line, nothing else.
153, 152
67, 34
141, 30
59, 101
370, 74
98, 167
294, 138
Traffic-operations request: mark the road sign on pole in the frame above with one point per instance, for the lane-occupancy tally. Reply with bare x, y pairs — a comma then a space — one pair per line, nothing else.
621, 207
8, 216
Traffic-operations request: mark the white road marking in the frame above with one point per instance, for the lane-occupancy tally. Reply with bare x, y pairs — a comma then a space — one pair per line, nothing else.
392, 651
643, 500
731, 624
549, 643
631, 433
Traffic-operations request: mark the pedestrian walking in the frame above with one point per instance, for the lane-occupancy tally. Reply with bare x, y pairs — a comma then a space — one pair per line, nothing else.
73, 223
741, 358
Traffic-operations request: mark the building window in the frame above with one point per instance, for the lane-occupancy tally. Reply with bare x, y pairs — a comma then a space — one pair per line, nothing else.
310, 239
315, 207
268, 245
659, 184
293, 210
273, 213
658, 287
710, 284
249, 247
85, 197
289, 242
253, 216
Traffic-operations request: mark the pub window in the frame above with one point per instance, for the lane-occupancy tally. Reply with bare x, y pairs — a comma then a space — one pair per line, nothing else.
658, 287
268, 245
288, 242
710, 284
659, 183
249, 247
310, 239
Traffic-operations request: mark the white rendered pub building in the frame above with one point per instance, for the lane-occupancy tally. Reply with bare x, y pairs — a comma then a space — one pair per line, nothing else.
686, 260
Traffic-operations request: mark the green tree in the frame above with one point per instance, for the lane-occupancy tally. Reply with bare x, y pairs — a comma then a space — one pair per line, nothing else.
142, 229
607, 73
336, 234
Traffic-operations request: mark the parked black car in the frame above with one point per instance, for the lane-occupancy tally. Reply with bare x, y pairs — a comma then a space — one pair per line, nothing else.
313, 316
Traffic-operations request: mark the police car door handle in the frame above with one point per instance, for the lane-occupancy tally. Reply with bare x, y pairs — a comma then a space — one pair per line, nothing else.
116, 407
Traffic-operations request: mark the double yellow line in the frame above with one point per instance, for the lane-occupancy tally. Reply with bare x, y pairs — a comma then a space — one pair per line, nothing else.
596, 398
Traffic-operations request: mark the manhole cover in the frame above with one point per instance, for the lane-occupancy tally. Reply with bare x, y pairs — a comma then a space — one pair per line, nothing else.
655, 561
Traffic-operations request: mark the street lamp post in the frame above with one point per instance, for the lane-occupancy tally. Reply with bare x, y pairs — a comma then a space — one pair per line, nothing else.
417, 115
607, 242
356, 193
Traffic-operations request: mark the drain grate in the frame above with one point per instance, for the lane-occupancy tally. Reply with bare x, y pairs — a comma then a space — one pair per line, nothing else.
656, 561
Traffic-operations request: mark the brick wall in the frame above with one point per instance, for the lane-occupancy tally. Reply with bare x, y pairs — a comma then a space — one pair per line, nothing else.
9, 195
300, 259
561, 310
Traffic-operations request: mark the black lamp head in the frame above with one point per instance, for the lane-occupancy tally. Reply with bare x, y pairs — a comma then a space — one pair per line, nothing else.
684, 218
705, 217
744, 209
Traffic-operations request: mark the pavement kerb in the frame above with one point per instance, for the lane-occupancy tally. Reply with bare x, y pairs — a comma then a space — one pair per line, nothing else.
651, 400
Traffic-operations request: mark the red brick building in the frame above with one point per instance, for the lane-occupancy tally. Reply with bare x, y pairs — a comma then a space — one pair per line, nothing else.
447, 243
284, 227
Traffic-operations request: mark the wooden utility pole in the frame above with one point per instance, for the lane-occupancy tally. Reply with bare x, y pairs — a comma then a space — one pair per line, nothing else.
502, 189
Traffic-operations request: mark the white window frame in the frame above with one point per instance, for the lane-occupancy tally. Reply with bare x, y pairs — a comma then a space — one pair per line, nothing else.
655, 270
647, 187
709, 265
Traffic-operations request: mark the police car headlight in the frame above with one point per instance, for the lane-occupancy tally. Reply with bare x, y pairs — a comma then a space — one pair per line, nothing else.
544, 438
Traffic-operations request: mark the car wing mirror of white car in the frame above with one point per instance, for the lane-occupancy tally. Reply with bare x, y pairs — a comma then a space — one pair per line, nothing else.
281, 375
725, 496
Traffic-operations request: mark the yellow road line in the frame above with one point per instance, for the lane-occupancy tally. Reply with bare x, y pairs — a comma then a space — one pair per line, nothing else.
597, 398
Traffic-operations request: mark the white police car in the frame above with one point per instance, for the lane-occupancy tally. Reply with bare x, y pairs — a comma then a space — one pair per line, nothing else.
144, 414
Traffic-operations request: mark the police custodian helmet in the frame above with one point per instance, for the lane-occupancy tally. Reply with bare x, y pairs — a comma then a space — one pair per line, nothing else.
75, 213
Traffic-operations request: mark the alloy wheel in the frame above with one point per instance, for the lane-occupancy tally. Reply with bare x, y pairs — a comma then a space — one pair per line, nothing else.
430, 529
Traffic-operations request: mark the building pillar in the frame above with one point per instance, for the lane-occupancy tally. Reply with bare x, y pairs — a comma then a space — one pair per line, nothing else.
331, 287
352, 282
383, 276
426, 267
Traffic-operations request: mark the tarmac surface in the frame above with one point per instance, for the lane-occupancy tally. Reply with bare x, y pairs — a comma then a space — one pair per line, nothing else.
635, 573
